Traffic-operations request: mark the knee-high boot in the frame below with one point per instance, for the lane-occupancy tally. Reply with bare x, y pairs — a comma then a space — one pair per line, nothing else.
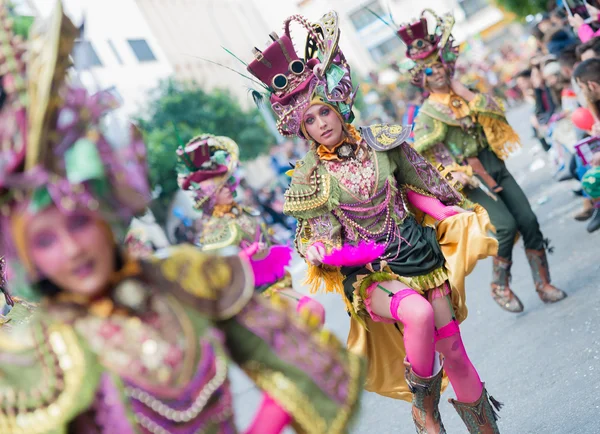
501, 292
426, 398
538, 262
479, 416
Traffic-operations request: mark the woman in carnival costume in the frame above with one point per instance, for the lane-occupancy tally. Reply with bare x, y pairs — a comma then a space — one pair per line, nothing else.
468, 134
355, 195
206, 168
120, 345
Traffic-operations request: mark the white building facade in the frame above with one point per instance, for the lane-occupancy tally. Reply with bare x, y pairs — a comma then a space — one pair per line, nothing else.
118, 51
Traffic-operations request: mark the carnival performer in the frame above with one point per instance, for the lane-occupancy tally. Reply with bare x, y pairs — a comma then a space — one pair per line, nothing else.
468, 134
206, 168
352, 195
123, 345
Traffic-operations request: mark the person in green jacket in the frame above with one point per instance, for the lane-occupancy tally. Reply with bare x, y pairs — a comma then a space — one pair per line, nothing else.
467, 135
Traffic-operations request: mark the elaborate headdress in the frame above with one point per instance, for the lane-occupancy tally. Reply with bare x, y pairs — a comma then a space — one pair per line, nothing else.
293, 83
205, 165
423, 48
54, 147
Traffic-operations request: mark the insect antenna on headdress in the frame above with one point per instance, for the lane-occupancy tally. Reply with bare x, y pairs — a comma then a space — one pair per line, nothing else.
257, 96
237, 72
380, 18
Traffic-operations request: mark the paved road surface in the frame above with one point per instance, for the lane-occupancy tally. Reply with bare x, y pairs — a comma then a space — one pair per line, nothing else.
544, 363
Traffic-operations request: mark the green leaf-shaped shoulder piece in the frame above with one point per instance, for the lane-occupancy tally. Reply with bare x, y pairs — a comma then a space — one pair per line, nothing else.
313, 191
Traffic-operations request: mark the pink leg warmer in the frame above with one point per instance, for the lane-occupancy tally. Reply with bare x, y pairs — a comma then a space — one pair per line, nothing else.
430, 205
270, 418
314, 306
416, 314
461, 372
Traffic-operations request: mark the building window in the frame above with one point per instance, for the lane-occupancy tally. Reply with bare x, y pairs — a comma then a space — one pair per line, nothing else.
363, 17
84, 55
389, 46
141, 50
471, 7
115, 52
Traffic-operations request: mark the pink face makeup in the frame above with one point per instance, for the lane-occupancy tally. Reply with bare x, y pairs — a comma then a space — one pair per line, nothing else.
74, 251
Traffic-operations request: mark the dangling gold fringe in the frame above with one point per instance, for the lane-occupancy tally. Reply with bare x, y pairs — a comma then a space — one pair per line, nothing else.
331, 277
500, 135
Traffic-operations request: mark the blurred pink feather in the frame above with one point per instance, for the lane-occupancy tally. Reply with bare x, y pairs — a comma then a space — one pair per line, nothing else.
355, 256
271, 268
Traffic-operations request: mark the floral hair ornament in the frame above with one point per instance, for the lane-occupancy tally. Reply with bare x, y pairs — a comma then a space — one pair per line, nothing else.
205, 165
293, 82
425, 48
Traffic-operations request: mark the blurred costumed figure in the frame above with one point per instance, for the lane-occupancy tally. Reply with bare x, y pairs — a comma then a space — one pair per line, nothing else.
206, 168
118, 344
360, 197
467, 135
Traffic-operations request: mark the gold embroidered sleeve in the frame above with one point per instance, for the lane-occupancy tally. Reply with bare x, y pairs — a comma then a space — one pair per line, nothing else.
48, 377
219, 286
428, 132
304, 369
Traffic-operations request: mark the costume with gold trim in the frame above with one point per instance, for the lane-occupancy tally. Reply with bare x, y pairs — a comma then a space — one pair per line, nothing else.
474, 137
355, 192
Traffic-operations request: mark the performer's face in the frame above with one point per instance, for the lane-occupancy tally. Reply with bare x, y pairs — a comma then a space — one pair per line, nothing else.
438, 80
224, 196
74, 251
323, 125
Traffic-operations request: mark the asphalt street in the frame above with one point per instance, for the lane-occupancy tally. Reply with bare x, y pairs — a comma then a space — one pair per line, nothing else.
543, 364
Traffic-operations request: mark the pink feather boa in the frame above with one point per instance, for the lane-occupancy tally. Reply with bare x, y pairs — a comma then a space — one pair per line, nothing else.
354, 256
271, 268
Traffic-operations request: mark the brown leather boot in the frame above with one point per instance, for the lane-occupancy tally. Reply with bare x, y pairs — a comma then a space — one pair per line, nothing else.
538, 262
501, 292
426, 398
479, 416
586, 212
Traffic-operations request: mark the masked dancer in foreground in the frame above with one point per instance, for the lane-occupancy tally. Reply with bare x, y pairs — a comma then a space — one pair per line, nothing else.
468, 133
121, 345
356, 195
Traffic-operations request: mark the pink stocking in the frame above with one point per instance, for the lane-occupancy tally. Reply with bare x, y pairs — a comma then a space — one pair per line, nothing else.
270, 418
461, 372
312, 305
416, 314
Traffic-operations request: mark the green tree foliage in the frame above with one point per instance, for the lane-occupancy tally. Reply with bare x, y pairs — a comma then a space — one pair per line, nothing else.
178, 112
522, 8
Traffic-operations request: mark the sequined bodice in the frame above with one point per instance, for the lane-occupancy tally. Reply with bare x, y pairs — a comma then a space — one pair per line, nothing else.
172, 372
357, 175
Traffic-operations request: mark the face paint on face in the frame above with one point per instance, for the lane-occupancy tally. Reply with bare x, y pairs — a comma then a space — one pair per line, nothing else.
323, 125
73, 251
438, 80
224, 196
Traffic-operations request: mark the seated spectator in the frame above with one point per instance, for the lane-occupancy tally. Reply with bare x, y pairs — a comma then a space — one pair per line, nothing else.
557, 38
568, 61
589, 50
587, 75
530, 82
